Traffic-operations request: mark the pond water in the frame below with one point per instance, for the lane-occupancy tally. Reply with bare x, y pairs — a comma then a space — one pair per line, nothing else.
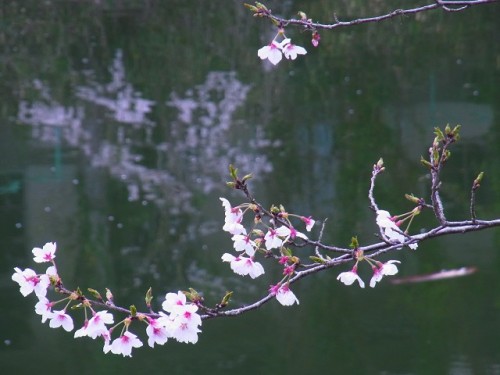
119, 121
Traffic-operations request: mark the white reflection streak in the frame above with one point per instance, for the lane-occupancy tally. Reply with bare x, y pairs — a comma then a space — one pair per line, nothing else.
126, 104
205, 129
46, 116
203, 140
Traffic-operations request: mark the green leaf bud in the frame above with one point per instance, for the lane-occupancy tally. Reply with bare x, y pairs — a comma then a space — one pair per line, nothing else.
354, 243
317, 259
149, 297
95, 294
133, 310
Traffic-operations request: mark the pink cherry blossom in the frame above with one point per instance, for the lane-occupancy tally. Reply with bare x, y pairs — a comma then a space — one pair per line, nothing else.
273, 289
233, 218
97, 324
272, 239
242, 242
82, 332
46, 254
289, 270
61, 319
174, 302
181, 330
291, 50
391, 229
107, 342
308, 221
44, 308
350, 277
29, 281
272, 52
244, 266
123, 345
284, 259
384, 269
285, 296
290, 233
157, 333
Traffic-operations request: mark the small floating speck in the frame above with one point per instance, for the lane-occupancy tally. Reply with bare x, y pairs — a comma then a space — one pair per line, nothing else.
19, 225
47, 209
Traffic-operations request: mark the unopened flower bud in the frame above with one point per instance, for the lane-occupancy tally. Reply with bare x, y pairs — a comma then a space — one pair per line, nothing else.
315, 39
359, 254
109, 295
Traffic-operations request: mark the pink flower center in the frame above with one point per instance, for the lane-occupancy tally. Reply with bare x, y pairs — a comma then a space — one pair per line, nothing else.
125, 339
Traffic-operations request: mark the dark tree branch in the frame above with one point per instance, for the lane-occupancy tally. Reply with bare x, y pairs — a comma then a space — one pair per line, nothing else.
448, 6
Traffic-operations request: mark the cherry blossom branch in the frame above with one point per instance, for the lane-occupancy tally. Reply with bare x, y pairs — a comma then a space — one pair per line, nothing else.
377, 169
282, 243
261, 10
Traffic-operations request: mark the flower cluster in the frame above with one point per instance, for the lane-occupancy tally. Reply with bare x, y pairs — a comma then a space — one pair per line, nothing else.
379, 270
263, 239
389, 228
181, 323
274, 51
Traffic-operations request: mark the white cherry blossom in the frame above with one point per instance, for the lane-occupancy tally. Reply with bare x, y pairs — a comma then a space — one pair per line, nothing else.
44, 308
391, 230
385, 269
272, 52
244, 266
123, 345
174, 302
157, 333
308, 221
45, 254
29, 281
348, 278
285, 296
291, 50
242, 242
97, 324
61, 319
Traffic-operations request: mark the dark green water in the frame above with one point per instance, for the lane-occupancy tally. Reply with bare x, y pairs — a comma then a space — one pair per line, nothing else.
118, 122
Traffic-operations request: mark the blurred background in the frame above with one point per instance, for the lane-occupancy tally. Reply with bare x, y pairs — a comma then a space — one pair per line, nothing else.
119, 120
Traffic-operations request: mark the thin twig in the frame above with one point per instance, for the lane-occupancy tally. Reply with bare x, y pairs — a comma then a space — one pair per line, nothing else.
438, 4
